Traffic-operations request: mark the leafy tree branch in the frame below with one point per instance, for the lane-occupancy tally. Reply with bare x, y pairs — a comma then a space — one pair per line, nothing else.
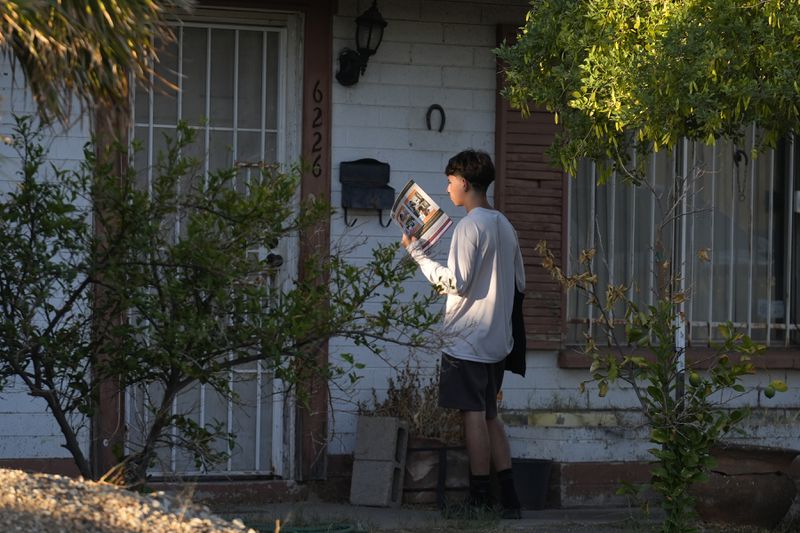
638, 76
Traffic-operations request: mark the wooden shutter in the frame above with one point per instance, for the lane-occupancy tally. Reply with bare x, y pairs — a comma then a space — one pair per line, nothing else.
531, 192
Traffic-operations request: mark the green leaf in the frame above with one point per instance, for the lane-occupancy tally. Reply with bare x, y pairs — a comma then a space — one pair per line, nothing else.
660, 436
779, 385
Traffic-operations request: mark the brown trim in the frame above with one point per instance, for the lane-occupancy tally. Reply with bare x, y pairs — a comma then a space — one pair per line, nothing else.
531, 192
312, 421
571, 358
107, 427
58, 466
771, 359
315, 182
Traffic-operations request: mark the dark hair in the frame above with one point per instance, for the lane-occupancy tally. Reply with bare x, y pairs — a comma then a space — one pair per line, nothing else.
475, 166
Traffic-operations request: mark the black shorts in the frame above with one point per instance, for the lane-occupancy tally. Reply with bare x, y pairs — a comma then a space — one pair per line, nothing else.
469, 385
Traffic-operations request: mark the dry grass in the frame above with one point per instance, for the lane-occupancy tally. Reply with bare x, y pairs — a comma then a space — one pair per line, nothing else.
413, 396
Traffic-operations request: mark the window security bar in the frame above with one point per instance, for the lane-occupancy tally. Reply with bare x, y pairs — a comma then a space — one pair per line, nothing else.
737, 227
229, 92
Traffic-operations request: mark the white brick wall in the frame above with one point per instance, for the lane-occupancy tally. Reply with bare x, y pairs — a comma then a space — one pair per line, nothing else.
433, 52
27, 429
439, 52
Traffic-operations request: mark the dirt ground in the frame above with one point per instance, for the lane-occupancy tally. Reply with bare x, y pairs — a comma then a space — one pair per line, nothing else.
47, 503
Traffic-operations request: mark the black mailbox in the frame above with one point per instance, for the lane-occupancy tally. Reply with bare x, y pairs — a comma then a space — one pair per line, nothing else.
365, 186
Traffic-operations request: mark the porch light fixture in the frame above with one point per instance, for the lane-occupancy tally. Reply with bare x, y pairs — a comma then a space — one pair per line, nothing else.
369, 33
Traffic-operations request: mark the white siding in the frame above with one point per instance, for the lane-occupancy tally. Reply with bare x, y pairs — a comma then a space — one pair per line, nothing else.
439, 52
27, 429
432, 53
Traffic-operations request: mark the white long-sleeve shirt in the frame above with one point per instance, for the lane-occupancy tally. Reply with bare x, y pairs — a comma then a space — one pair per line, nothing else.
484, 265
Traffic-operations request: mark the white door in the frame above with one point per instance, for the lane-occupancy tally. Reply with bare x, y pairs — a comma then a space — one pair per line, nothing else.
233, 79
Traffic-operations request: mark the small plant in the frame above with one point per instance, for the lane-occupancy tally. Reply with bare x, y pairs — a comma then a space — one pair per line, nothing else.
687, 417
413, 396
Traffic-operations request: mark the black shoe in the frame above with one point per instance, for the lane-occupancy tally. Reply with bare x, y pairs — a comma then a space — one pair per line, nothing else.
513, 513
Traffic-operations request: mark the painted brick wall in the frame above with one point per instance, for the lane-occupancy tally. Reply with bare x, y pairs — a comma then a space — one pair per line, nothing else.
439, 52
433, 52
27, 429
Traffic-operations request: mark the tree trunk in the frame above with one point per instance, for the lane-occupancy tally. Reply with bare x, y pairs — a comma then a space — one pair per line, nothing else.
136, 469
72, 444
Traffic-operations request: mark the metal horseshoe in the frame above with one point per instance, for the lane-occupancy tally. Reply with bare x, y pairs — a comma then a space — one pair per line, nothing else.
431, 109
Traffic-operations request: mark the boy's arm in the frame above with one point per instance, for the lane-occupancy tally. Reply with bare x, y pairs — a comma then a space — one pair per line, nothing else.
436, 273
454, 278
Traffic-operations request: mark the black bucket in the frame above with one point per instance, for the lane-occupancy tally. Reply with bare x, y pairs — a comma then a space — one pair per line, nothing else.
532, 480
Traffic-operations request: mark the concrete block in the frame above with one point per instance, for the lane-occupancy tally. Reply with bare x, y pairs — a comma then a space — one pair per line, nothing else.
471, 121
381, 438
413, 32
413, 75
376, 137
433, 140
370, 93
484, 100
441, 54
470, 34
485, 141
449, 98
477, 78
405, 10
484, 57
376, 483
395, 53
406, 161
451, 12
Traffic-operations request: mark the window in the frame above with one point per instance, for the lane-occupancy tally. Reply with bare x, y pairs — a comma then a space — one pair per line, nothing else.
228, 91
731, 239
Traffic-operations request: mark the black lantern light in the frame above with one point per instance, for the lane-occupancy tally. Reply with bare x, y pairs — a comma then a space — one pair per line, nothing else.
369, 34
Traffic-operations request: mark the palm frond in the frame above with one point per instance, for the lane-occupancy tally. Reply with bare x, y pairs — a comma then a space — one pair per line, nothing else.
84, 51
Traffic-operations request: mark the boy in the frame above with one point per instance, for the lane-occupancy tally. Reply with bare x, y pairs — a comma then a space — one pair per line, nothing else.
484, 266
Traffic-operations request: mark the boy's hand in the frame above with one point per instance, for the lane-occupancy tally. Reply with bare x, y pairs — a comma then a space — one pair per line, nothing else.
406, 240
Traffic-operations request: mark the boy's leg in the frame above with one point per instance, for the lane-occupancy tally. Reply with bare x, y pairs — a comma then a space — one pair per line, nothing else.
478, 440
501, 453
501, 459
498, 442
469, 387
479, 453
487, 445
